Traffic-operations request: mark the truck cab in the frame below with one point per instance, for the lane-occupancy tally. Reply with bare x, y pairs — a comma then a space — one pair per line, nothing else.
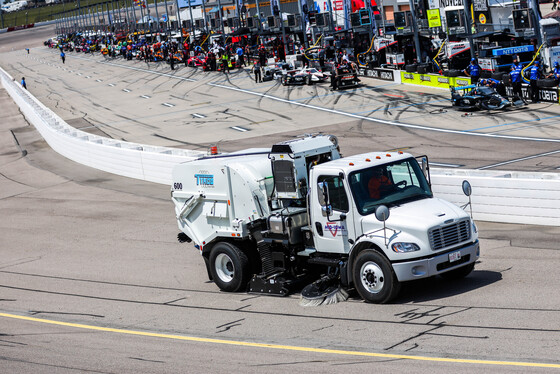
419, 236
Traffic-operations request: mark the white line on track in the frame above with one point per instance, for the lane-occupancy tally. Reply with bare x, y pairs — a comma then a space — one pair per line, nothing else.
111, 85
198, 115
168, 105
126, 90
239, 128
385, 122
518, 160
445, 165
145, 97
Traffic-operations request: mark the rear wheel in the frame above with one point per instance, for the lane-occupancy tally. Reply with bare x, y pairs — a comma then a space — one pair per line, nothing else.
374, 278
309, 81
229, 267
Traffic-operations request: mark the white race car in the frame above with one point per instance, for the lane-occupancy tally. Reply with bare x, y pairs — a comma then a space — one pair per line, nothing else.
313, 75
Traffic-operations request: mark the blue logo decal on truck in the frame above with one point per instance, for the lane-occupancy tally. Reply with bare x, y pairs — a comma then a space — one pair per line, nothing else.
204, 179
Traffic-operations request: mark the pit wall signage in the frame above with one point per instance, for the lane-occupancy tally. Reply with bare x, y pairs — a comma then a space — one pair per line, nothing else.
547, 95
383, 74
433, 80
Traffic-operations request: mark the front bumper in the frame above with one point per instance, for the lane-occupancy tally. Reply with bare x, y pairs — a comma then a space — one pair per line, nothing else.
406, 271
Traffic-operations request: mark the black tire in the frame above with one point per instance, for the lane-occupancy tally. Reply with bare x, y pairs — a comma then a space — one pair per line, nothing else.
422, 68
309, 80
374, 278
229, 267
506, 79
498, 76
411, 68
453, 73
548, 82
459, 273
284, 81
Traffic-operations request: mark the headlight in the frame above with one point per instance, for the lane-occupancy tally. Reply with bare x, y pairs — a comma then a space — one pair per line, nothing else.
405, 247
475, 230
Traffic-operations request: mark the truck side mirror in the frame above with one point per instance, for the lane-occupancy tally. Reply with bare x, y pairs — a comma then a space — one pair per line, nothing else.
323, 192
467, 189
382, 213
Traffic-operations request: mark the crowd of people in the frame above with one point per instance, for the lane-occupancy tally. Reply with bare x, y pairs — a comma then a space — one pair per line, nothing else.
211, 56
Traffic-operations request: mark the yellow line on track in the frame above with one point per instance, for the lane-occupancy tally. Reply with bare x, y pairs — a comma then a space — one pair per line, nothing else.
282, 347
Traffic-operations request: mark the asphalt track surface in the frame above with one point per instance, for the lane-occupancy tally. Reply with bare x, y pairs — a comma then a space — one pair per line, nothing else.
92, 279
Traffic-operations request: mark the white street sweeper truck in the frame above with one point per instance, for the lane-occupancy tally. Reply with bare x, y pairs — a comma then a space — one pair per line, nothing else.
272, 220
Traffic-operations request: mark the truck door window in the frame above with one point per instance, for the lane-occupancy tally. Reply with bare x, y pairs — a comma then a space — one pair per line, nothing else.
388, 184
337, 194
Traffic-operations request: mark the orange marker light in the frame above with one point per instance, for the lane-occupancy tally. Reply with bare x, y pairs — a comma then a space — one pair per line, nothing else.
351, 164
388, 155
368, 160
378, 157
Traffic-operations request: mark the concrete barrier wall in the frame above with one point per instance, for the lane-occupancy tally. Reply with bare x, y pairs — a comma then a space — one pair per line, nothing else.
498, 196
132, 160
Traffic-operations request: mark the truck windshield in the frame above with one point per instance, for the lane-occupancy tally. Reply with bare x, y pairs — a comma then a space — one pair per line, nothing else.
390, 184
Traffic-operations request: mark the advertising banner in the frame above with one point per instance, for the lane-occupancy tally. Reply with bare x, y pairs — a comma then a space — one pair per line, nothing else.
549, 95
453, 49
383, 74
435, 81
187, 3
434, 18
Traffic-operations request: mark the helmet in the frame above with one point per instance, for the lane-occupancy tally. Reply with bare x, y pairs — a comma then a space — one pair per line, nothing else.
556, 64
473, 59
537, 62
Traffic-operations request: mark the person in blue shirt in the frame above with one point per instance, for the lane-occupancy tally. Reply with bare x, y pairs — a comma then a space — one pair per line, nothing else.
23, 84
473, 71
240, 56
62, 56
555, 74
535, 75
516, 79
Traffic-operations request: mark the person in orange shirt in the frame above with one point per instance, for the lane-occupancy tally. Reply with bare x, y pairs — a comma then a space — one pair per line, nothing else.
378, 183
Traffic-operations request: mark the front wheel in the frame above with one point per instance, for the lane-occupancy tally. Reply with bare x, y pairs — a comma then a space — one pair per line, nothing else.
374, 278
229, 267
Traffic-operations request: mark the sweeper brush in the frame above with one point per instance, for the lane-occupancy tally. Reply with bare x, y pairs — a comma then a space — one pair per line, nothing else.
324, 291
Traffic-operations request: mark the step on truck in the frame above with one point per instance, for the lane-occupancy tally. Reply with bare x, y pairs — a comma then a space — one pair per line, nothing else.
271, 220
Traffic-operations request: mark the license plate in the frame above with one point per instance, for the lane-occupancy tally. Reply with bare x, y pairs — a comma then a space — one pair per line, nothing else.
455, 256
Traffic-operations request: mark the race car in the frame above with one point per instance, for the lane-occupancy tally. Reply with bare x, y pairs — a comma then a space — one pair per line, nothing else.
271, 73
294, 77
196, 61
475, 97
346, 77
313, 75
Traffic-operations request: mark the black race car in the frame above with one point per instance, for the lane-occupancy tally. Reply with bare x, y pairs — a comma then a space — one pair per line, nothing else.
475, 97
346, 77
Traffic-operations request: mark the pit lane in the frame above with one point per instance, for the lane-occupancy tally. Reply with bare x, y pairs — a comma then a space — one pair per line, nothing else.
100, 250
150, 104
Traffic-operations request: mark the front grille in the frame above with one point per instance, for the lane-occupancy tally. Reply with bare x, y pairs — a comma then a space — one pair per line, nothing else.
449, 235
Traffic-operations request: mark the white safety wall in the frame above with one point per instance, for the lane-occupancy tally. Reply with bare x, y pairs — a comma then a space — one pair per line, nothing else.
498, 196
132, 160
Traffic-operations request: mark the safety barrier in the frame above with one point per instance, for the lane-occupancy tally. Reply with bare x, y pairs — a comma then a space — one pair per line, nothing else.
149, 163
498, 196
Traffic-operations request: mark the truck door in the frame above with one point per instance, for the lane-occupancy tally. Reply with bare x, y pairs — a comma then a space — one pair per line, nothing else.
331, 234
